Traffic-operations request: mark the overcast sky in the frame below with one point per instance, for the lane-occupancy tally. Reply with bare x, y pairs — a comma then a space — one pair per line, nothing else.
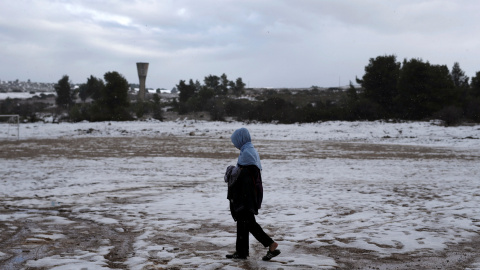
269, 43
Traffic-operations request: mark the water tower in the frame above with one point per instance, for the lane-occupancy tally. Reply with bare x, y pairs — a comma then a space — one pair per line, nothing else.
142, 69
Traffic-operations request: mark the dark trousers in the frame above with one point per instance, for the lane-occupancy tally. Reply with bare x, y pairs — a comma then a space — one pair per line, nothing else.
246, 224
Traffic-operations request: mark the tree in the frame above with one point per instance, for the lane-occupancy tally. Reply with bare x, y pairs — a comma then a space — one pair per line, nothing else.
443, 90
113, 101
224, 83
460, 82
64, 97
237, 87
458, 77
213, 82
82, 92
475, 85
184, 94
472, 109
93, 88
197, 84
352, 94
157, 108
186, 91
424, 89
380, 81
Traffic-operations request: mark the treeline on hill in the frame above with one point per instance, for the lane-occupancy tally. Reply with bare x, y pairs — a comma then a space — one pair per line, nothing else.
213, 96
416, 90
110, 100
223, 98
107, 101
411, 90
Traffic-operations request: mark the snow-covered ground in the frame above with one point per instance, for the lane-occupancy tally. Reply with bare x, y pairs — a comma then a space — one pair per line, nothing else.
408, 133
21, 95
332, 190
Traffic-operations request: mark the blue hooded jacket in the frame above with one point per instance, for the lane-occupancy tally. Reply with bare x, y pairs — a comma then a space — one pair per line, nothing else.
248, 154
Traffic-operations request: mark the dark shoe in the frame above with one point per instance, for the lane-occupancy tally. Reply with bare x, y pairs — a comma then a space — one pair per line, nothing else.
236, 256
271, 254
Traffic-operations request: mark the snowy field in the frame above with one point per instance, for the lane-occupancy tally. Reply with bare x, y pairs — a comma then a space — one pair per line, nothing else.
150, 195
21, 95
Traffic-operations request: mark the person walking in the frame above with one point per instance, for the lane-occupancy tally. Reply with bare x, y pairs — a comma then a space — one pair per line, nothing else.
245, 194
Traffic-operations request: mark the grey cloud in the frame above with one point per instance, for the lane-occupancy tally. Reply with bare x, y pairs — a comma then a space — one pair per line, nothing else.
269, 43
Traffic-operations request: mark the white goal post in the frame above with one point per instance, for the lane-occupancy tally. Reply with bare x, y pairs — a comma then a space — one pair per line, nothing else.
10, 125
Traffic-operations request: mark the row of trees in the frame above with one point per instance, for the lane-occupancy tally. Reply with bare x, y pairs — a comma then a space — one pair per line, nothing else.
412, 90
26, 110
417, 90
110, 100
209, 96
213, 86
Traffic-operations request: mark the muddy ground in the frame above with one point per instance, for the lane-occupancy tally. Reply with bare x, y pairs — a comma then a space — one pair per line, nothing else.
20, 242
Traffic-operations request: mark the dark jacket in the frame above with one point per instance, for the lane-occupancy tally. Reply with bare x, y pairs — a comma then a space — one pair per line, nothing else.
246, 193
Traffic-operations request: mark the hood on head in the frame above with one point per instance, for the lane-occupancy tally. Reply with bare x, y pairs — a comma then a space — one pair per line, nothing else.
240, 137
